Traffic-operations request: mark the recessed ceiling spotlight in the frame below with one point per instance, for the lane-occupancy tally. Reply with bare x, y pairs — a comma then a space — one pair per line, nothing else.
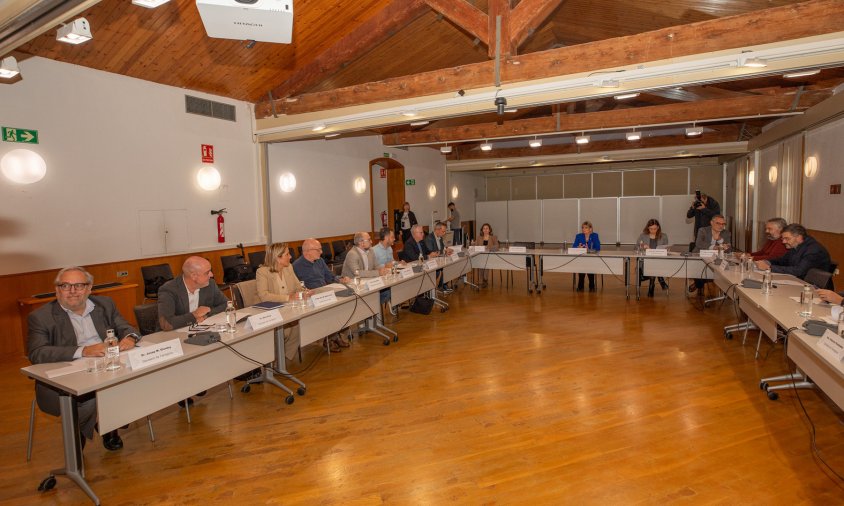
682, 152
802, 73
500, 166
76, 32
582, 139
625, 96
534, 163
318, 127
409, 114
9, 67
634, 135
445, 149
486, 146
535, 142
754, 63
610, 83
694, 131
606, 158
150, 4
329, 136
419, 123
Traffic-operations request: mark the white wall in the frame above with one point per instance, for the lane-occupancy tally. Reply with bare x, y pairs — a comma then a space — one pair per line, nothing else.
822, 211
115, 145
470, 189
324, 203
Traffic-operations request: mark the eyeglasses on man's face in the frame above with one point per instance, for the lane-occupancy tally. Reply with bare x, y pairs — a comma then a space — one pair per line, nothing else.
78, 287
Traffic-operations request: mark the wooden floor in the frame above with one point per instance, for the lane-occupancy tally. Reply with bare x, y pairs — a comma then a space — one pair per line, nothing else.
508, 398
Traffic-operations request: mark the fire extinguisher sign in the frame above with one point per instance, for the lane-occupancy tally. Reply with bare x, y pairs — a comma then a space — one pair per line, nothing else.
207, 153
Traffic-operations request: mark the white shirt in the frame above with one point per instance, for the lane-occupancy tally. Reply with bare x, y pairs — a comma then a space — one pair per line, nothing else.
193, 299
405, 221
83, 327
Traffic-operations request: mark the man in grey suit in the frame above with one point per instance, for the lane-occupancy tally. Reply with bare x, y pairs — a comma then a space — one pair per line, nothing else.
715, 236
361, 258
71, 327
191, 297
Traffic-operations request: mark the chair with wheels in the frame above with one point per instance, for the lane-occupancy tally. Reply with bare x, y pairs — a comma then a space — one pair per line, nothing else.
155, 276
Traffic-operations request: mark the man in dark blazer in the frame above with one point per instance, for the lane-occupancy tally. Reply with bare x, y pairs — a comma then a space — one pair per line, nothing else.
191, 297
804, 253
71, 327
415, 245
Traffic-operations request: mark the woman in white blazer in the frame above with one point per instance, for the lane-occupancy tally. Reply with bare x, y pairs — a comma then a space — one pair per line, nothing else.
277, 282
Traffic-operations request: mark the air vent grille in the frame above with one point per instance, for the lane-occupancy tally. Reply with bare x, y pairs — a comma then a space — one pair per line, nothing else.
210, 108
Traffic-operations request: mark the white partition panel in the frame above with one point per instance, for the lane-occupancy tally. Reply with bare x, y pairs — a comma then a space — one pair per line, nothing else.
674, 222
560, 220
524, 221
635, 213
603, 213
494, 213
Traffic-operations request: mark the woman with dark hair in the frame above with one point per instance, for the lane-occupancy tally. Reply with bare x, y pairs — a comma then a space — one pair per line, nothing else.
486, 238
651, 238
406, 220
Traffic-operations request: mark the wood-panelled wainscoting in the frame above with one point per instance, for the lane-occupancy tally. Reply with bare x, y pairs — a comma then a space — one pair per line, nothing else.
18, 286
834, 243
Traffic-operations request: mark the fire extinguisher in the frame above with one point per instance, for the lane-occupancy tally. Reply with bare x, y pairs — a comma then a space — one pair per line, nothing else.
221, 225
383, 218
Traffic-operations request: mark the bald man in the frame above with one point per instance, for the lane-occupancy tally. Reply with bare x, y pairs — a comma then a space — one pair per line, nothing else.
311, 269
191, 297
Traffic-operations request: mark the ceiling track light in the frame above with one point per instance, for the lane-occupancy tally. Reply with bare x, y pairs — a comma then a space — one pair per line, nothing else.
331, 136
694, 131
802, 73
76, 32
582, 139
486, 146
754, 63
149, 4
419, 123
445, 149
634, 135
626, 96
9, 67
319, 127
535, 142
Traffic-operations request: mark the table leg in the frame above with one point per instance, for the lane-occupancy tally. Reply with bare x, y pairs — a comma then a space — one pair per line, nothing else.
626, 264
74, 467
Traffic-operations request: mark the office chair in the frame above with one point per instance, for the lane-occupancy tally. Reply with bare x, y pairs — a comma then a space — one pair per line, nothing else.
235, 269
155, 276
327, 255
340, 250
256, 259
818, 278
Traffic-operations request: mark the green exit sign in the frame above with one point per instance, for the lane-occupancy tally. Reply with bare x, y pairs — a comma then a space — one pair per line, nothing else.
410, 182
20, 135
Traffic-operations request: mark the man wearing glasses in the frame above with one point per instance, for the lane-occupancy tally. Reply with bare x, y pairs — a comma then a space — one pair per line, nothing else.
71, 327
715, 236
191, 297
804, 253
362, 259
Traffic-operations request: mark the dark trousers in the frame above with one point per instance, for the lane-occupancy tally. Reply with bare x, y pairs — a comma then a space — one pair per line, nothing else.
405, 235
580, 280
457, 238
86, 406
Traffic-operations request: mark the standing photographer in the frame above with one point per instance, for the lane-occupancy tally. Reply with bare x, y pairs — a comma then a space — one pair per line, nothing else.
703, 209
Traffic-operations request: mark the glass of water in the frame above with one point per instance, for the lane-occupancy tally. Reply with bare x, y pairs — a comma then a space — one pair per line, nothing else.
841, 324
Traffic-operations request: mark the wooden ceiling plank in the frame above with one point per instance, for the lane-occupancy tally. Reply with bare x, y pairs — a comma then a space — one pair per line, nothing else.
465, 15
500, 8
793, 21
528, 16
705, 110
371, 33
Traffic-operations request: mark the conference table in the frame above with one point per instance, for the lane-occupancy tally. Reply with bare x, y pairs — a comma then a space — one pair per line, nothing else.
615, 263
126, 395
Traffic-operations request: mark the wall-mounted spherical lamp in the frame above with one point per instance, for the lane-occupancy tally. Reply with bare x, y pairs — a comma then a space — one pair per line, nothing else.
23, 166
432, 191
454, 192
360, 185
751, 176
772, 174
810, 167
287, 182
208, 178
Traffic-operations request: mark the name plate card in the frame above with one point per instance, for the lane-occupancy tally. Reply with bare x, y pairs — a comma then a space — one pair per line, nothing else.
266, 319
454, 257
457, 248
477, 249
656, 252
577, 251
406, 273
146, 356
708, 253
518, 249
431, 264
375, 283
833, 343
322, 299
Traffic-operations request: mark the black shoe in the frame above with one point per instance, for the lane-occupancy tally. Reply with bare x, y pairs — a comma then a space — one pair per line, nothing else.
663, 284
112, 441
182, 403
579, 288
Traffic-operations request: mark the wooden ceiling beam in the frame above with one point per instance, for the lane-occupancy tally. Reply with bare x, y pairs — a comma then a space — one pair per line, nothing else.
527, 16
682, 142
465, 15
793, 21
500, 8
705, 110
371, 33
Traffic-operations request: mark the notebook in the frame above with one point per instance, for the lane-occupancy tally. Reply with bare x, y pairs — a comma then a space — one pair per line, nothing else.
267, 305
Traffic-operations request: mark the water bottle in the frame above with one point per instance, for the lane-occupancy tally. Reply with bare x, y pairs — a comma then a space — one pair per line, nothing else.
112, 351
806, 301
421, 258
357, 280
767, 283
300, 295
231, 317
841, 324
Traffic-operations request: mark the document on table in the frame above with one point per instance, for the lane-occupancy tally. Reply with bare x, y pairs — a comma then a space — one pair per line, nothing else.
815, 301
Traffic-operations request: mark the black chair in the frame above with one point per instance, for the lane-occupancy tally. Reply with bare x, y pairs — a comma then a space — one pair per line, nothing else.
256, 259
340, 250
235, 269
818, 278
147, 316
327, 255
155, 276
300, 251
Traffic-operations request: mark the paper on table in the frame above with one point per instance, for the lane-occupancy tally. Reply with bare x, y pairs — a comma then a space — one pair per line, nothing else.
815, 301
72, 367
792, 282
